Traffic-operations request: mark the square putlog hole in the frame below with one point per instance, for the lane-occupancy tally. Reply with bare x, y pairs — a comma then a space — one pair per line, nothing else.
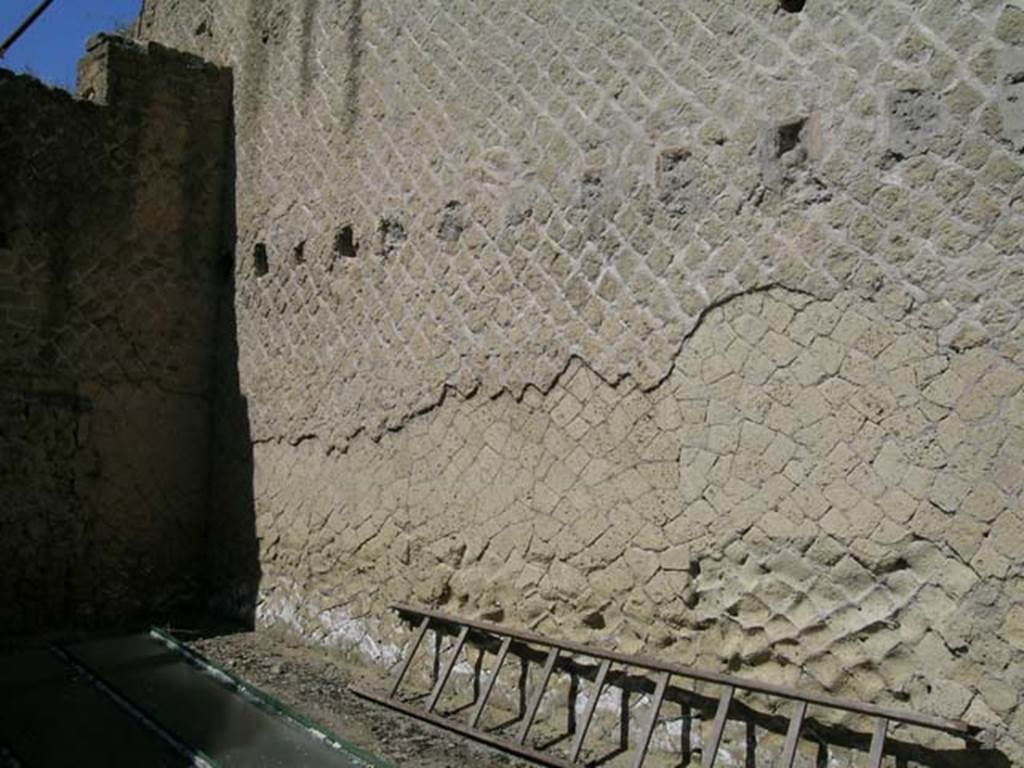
787, 148
676, 180
345, 243
790, 137
915, 117
392, 235
260, 259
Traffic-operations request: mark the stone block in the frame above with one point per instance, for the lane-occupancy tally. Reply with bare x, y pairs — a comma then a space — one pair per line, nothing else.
1011, 95
916, 118
678, 182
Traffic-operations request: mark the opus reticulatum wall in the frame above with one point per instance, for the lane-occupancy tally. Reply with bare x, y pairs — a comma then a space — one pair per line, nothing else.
692, 327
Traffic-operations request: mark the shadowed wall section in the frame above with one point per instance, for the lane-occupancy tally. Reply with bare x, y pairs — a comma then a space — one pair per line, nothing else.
110, 214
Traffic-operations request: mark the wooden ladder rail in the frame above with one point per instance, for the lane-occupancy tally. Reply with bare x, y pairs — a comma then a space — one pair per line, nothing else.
416, 642
878, 743
447, 671
556, 649
645, 740
796, 722
588, 715
531, 712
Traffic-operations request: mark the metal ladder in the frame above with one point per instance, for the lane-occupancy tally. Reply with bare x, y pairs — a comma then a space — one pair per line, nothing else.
425, 619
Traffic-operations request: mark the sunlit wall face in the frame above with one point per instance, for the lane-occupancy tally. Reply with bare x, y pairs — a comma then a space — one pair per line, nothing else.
790, 227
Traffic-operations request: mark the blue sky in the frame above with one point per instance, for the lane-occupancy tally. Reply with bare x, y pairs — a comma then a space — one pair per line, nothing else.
50, 49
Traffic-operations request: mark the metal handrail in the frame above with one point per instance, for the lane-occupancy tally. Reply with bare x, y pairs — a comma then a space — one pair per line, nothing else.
13, 37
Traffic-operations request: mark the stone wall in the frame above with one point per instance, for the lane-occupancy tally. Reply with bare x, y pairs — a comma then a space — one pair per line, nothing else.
110, 243
694, 328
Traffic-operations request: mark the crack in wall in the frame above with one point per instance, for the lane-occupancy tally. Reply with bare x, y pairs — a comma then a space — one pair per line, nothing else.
753, 510
466, 393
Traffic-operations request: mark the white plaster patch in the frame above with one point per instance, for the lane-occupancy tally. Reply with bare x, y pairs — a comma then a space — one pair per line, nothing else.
333, 627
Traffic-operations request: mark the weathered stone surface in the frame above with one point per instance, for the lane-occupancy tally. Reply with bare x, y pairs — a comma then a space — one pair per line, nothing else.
839, 556
814, 339
915, 118
1011, 79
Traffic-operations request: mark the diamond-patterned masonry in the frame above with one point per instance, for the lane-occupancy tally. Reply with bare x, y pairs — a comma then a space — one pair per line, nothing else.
700, 319
795, 499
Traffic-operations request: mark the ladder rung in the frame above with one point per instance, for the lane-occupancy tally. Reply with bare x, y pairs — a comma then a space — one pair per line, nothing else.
645, 741
955, 727
878, 743
489, 685
416, 642
660, 671
793, 734
715, 741
538, 756
588, 715
531, 713
448, 667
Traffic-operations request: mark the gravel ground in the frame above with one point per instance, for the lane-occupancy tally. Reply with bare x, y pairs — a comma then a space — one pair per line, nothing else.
313, 682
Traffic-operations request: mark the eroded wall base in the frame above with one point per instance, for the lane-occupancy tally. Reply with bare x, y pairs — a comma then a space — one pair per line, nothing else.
798, 500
